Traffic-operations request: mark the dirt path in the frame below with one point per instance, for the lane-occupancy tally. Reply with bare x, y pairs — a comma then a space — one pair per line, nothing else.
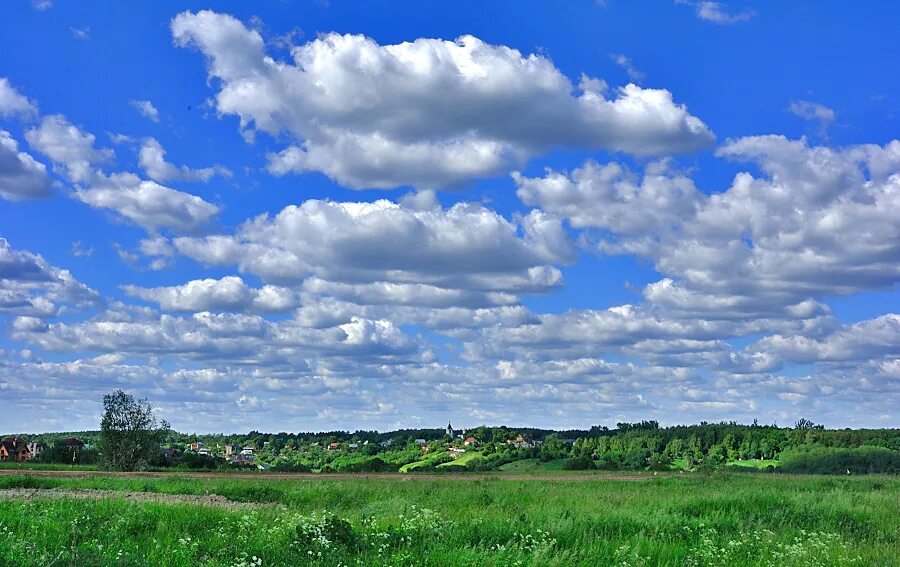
215, 500
570, 477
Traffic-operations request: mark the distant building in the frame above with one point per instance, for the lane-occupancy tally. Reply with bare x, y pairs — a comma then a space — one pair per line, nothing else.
353, 446
523, 442
420, 442
35, 448
469, 441
248, 450
449, 430
334, 446
14, 449
170, 454
455, 452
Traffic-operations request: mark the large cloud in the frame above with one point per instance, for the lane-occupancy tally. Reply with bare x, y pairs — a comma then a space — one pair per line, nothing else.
819, 222
429, 113
21, 176
152, 159
68, 146
227, 294
32, 287
13, 103
465, 247
147, 203
143, 202
860, 342
230, 339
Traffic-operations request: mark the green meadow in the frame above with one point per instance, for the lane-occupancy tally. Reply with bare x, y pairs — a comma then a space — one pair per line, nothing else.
448, 520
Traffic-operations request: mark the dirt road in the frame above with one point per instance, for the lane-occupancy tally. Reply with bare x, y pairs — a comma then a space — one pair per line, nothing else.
20, 494
562, 476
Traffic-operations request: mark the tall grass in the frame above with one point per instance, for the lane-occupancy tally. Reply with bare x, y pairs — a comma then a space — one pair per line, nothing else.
692, 520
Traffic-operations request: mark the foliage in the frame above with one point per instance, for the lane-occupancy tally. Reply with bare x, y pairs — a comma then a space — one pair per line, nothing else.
130, 435
689, 520
581, 463
64, 454
637, 446
821, 460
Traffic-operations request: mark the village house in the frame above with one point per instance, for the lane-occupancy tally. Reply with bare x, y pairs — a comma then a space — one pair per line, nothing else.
14, 449
73, 443
35, 448
470, 441
170, 454
456, 452
248, 450
523, 442
353, 446
334, 446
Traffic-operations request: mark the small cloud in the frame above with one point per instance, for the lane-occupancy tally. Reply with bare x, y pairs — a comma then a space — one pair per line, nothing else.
131, 259
81, 251
81, 33
625, 63
146, 108
815, 112
117, 138
288, 39
42, 5
718, 13
249, 402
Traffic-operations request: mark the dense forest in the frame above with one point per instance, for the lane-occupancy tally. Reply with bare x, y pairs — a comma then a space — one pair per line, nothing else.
805, 447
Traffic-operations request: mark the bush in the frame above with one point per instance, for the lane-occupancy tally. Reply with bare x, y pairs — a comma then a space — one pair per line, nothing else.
288, 466
579, 464
329, 529
821, 460
369, 464
196, 461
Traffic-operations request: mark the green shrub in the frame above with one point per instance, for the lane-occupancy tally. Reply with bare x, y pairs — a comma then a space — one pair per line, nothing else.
327, 531
579, 464
822, 460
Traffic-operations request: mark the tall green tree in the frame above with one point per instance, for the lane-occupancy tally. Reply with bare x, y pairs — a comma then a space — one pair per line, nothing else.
130, 435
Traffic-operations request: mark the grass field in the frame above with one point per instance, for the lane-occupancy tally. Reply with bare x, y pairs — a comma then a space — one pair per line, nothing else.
724, 519
462, 460
754, 463
533, 466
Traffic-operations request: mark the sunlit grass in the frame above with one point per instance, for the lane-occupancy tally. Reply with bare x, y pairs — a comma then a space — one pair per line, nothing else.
738, 519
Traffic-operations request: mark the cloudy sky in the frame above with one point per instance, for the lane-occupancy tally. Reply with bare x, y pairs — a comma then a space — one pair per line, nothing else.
316, 215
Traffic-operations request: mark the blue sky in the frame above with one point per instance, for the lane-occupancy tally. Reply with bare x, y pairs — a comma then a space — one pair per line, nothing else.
316, 215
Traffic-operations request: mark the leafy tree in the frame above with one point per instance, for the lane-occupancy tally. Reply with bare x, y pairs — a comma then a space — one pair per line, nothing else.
61, 453
804, 423
130, 435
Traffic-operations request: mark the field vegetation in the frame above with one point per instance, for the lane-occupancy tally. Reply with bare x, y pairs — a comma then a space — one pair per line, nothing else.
598, 519
628, 447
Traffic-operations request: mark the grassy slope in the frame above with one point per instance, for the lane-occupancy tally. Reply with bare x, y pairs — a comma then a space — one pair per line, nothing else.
430, 459
753, 463
462, 459
659, 521
533, 466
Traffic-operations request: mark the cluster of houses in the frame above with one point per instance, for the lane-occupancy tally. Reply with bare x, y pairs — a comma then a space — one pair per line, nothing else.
15, 449
456, 436
241, 455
